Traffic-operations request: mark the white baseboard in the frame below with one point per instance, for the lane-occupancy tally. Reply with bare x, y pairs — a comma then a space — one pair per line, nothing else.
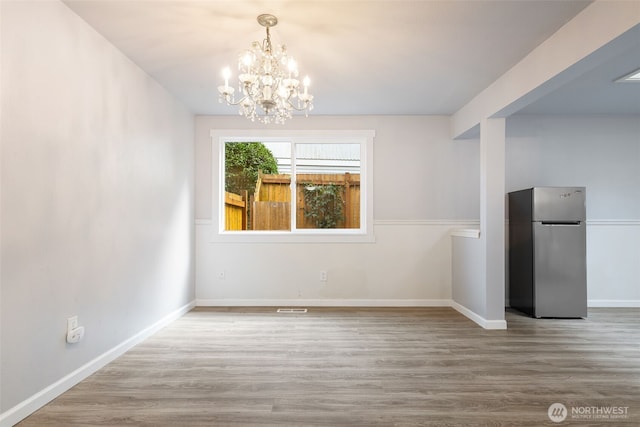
323, 302
486, 324
38, 400
613, 303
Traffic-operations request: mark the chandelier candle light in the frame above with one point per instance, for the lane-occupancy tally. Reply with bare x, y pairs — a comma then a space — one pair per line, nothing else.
268, 79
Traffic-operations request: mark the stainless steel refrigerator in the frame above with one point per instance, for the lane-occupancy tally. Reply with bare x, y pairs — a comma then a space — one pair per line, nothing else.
547, 252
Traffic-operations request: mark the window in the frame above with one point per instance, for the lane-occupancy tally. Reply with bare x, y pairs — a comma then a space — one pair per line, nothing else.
293, 185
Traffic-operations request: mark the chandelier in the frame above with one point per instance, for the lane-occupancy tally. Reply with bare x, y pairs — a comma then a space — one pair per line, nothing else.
268, 82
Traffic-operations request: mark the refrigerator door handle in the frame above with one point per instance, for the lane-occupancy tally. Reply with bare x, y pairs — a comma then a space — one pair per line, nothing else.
570, 223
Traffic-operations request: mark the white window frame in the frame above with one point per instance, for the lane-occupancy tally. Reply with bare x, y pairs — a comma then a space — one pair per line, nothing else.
361, 235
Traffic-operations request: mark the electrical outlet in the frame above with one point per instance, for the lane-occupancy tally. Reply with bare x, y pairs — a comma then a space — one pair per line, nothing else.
72, 323
75, 335
323, 275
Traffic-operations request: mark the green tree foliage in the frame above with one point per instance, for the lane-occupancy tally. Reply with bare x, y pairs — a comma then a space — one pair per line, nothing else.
324, 204
243, 162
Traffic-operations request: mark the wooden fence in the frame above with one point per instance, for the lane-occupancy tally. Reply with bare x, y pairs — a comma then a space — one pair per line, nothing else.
269, 215
350, 184
270, 206
275, 188
272, 203
235, 211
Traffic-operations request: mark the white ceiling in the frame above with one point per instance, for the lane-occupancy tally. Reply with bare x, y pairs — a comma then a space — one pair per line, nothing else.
596, 91
364, 57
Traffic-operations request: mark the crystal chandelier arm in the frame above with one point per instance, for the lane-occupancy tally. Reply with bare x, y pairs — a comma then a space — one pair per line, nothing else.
305, 106
230, 101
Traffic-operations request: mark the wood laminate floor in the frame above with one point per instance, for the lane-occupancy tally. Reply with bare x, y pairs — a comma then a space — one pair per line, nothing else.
364, 367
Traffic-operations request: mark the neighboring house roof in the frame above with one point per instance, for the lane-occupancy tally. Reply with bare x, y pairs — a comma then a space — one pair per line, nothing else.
317, 158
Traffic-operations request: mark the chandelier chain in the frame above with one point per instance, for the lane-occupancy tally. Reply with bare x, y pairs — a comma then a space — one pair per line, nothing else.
267, 43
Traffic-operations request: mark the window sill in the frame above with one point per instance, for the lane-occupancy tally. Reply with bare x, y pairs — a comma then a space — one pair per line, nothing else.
319, 236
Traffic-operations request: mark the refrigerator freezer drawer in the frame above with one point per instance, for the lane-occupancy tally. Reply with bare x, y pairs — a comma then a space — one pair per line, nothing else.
560, 272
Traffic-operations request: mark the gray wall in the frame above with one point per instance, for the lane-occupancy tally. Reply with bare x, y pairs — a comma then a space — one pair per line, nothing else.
424, 185
97, 197
601, 153
438, 178
419, 172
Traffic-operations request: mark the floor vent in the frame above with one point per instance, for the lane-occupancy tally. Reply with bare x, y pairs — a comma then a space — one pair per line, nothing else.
292, 310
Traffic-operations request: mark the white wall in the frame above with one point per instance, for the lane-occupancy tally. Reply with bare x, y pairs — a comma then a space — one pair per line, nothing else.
468, 279
414, 158
425, 184
97, 200
478, 263
411, 259
602, 154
